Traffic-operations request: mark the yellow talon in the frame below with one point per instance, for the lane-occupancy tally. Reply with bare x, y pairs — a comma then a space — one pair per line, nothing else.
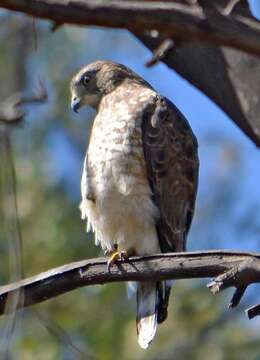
114, 256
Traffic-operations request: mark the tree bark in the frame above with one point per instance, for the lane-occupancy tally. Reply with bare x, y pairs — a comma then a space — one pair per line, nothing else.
178, 20
236, 269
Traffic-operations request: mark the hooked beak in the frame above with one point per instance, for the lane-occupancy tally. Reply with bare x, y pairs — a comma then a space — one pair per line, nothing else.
75, 104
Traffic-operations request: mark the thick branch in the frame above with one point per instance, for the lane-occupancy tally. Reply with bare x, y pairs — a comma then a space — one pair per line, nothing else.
188, 22
157, 267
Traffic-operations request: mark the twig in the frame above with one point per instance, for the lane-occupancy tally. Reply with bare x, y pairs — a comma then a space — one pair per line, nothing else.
55, 26
63, 336
244, 267
169, 18
253, 311
35, 35
11, 114
10, 110
230, 7
12, 234
161, 52
239, 292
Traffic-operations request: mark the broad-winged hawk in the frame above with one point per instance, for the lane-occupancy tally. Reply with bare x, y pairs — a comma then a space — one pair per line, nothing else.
140, 175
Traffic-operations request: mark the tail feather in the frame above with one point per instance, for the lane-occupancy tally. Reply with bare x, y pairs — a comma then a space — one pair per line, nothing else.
152, 304
164, 290
146, 320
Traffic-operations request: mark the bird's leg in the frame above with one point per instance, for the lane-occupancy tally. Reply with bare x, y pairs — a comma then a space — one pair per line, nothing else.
115, 255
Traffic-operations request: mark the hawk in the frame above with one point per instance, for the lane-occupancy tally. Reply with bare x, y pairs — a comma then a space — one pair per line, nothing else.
139, 178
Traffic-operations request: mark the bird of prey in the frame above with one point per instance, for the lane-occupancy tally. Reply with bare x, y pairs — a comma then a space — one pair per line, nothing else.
139, 178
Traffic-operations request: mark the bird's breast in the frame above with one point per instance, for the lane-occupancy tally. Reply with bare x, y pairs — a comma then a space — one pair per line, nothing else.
117, 175
116, 155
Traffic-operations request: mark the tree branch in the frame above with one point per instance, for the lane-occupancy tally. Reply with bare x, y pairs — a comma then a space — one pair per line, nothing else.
236, 269
11, 112
169, 18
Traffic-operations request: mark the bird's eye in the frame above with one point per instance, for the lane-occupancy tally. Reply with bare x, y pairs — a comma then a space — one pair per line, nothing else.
85, 79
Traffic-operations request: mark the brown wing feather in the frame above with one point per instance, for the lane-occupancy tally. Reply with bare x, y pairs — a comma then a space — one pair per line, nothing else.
171, 154
170, 150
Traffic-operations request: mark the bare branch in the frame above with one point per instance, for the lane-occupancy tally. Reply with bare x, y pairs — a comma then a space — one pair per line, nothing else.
230, 6
10, 111
161, 52
201, 64
238, 294
205, 264
169, 18
253, 311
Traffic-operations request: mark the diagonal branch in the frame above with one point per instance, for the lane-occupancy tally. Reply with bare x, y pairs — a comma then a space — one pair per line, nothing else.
204, 264
169, 18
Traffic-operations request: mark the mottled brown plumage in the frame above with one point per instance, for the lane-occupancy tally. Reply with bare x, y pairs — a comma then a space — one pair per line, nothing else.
170, 150
140, 175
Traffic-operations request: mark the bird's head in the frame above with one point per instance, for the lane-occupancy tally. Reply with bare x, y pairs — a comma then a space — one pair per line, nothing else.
96, 80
